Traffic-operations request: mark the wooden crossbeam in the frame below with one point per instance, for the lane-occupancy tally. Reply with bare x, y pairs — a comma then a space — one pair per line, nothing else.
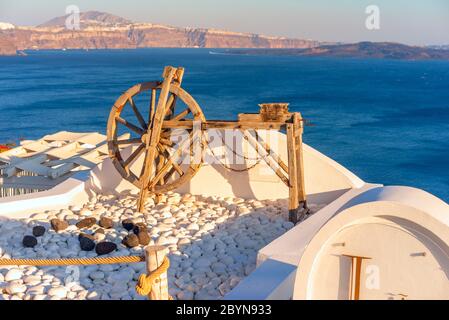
216, 124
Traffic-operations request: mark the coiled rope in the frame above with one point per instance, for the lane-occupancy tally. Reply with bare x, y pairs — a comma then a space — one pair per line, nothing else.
145, 282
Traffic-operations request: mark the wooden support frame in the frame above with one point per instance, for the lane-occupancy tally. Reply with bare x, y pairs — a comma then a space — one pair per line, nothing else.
156, 175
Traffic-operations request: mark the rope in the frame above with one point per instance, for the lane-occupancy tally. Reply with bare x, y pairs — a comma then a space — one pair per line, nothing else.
259, 160
230, 168
143, 286
71, 261
235, 152
145, 283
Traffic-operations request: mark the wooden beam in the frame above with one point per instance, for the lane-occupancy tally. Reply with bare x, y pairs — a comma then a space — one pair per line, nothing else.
298, 130
171, 103
154, 133
292, 175
214, 124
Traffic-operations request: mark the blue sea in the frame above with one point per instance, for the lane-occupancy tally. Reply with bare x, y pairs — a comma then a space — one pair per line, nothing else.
387, 121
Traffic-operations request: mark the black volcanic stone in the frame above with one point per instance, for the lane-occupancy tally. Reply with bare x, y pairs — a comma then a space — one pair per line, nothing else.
106, 223
144, 238
29, 242
87, 244
58, 225
86, 223
128, 224
139, 227
105, 247
131, 240
38, 231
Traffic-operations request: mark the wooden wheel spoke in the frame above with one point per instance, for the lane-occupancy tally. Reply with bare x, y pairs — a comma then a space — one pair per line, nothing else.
182, 115
170, 173
170, 106
129, 125
129, 141
176, 167
152, 106
159, 166
134, 155
163, 171
139, 117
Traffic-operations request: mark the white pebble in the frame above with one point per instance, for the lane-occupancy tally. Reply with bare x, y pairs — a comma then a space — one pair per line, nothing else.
59, 292
193, 226
13, 274
14, 288
96, 275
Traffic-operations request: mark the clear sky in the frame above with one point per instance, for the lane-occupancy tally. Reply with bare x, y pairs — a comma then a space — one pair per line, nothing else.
407, 21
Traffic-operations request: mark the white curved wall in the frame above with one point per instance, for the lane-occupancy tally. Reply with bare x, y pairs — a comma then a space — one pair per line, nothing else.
404, 233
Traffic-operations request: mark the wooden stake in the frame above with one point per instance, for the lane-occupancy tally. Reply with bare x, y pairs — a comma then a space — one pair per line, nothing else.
298, 130
155, 255
292, 174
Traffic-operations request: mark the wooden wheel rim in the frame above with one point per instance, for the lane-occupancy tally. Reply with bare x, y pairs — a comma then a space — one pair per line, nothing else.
113, 145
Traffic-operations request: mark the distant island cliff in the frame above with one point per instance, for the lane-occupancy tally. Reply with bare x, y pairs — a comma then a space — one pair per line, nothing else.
99, 30
379, 50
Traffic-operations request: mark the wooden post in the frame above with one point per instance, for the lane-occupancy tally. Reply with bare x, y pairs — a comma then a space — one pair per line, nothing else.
298, 130
154, 135
154, 256
171, 103
292, 174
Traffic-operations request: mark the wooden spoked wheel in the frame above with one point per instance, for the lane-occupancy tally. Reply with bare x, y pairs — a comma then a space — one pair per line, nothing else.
179, 151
